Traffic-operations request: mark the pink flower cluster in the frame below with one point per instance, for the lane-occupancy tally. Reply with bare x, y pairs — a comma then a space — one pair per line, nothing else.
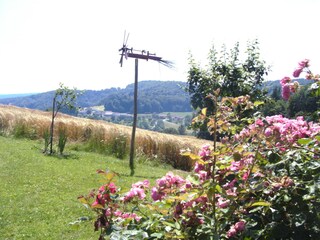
137, 190
285, 132
236, 228
288, 87
205, 152
166, 184
222, 202
301, 65
103, 195
289, 131
203, 171
122, 215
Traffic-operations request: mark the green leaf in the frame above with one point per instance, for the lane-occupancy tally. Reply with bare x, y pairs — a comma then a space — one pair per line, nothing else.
156, 235
258, 103
193, 179
304, 141
237, 156
218, 188
261, 159
286, 198
260, 203
273, 157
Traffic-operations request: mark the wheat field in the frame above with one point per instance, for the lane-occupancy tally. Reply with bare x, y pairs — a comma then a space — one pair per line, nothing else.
154, 145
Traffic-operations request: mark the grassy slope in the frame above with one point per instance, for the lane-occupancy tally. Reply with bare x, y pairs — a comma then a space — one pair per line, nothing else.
38, 194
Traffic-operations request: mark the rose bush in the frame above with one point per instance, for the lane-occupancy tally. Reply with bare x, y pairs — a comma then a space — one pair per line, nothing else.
258, 182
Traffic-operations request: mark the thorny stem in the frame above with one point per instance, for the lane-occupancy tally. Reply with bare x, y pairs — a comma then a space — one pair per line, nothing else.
254, 161
214, 164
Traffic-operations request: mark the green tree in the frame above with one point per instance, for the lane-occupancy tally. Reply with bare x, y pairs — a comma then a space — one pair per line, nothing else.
171, 130
276, 93
304, 104
228, 73
187, 120
275, 107
63, 97
182, 130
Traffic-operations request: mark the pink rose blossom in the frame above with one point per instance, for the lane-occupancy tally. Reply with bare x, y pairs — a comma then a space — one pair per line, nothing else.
232, 192
259, 122
112, 188
203, 175
285, 80
204, 153
236, 165
296, 73
198, 167
222, 202
137, 190
236, 228
232, 232
245, 176
285, 91
268, 132
304, 63
188, 184
156, 195
239, 226
230, 184
144, 184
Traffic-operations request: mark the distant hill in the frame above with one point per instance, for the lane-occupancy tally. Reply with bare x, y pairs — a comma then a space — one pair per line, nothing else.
153, 96
15, 95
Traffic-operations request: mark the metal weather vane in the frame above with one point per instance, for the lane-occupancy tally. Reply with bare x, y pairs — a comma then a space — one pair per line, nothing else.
140, 54
126, 53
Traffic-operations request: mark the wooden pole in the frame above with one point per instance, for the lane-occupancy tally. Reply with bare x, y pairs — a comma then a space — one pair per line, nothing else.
135, 114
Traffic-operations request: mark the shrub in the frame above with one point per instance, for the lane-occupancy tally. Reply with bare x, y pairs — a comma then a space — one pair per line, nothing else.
46, 137
96, 141
118, 145
62, 139
21, 129
260, 182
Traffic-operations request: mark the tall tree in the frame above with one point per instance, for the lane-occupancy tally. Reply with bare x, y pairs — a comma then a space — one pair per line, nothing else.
234, 77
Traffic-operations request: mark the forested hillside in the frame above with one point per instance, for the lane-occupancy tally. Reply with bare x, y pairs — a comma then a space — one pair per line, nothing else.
153, 96
43, 101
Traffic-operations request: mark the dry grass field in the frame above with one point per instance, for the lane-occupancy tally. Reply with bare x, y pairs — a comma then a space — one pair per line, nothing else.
153, 145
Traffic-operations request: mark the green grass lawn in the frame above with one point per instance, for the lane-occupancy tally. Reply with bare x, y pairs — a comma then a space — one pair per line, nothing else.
38, 194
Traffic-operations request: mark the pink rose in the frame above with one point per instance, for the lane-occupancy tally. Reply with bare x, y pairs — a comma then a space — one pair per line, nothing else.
232, 232
304, 63
223, 203
239, 226
112, 188
268, 132
156, 195
285, 92
297, 72
285, 80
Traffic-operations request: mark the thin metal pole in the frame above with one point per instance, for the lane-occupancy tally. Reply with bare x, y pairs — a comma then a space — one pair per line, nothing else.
135, 114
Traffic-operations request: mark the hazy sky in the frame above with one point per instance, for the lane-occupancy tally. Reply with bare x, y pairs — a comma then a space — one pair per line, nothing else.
76, 42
